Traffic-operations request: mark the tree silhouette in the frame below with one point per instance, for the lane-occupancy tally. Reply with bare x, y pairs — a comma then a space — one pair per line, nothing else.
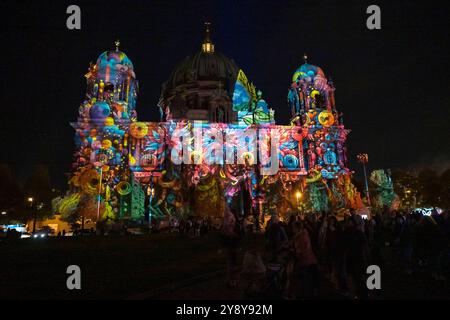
429, 188
38, 186
10, 193
445, 189
406, 186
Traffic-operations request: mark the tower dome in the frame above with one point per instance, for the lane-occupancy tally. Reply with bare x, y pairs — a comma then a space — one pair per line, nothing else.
111, 62
310, 91
111, 87
307, 70
113, 58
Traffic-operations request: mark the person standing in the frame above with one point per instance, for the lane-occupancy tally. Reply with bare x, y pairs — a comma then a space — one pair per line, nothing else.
357, 254
231, 235
276, 237
306, 262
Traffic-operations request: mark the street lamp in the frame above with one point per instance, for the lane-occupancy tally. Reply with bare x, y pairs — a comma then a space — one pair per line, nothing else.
298, 195
30, 200
3, 213
99, 192
151, 194
99, 165
363, 158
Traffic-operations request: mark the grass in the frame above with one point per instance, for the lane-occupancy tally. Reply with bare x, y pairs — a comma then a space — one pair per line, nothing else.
123, 267
111, 267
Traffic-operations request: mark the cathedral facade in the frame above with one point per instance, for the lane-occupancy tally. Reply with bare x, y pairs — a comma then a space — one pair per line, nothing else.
216, 147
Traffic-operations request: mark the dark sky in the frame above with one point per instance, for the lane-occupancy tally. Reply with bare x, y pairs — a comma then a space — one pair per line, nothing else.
392, 84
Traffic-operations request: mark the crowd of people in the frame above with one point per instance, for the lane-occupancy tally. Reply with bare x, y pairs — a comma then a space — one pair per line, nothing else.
193, 227
307, 248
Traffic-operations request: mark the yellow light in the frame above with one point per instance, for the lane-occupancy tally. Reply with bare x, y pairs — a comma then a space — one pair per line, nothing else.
30, 199
208, 47
150, 191
298, 194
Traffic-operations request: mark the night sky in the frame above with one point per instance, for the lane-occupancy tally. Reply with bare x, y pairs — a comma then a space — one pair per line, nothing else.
392, 84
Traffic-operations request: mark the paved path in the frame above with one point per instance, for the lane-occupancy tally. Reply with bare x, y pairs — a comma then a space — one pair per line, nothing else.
214, 286
395, 285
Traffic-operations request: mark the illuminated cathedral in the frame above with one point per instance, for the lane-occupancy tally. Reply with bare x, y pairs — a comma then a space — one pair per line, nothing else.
216, 145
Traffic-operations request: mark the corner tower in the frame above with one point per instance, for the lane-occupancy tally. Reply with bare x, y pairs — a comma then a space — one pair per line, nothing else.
100, 178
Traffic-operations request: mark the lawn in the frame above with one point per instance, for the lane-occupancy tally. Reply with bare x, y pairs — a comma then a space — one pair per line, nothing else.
111, 267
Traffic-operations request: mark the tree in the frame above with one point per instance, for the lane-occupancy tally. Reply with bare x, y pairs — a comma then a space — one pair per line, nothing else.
38, 187
429, 188
445, 189
383, 190
10, 192
406, 187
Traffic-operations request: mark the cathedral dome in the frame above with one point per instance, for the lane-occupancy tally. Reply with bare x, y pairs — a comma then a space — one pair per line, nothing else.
203, 66
207, 64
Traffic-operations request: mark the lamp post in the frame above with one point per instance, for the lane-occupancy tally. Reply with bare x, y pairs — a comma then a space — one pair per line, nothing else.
99, 165
151, 194
30, 200
363, 158
298, 195
99, 192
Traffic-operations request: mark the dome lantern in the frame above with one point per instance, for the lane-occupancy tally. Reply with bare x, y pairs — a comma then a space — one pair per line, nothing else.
207, 45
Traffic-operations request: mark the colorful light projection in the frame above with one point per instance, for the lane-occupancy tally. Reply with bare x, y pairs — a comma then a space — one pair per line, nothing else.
101, 169
248, 103
124, 167
384, 195
204, 143
223, 158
